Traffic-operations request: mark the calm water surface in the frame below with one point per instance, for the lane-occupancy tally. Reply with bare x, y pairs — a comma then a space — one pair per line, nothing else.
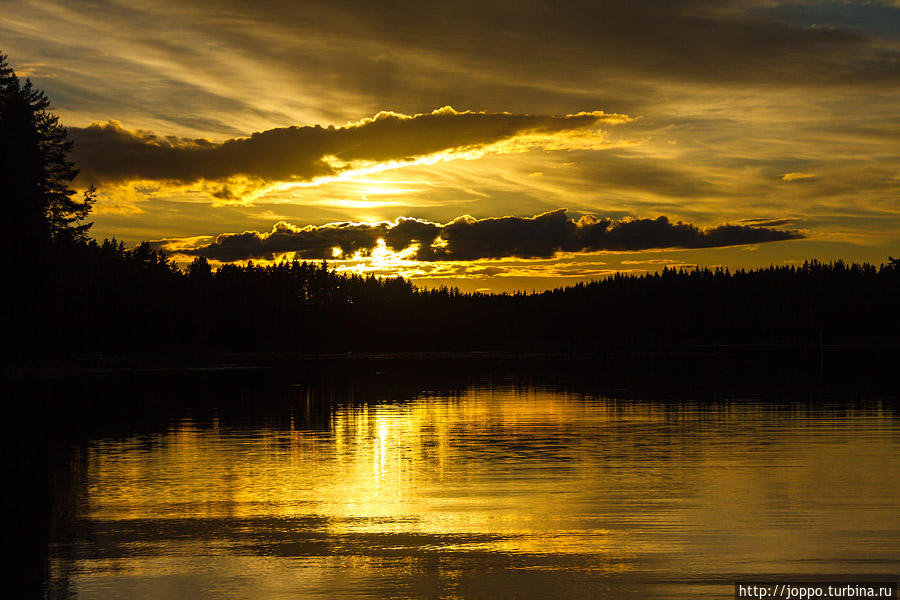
493, 491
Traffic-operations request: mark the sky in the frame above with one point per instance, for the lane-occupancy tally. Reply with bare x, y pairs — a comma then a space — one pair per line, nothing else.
488, 145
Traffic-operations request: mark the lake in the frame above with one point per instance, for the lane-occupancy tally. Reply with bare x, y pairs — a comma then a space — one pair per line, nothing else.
390, 479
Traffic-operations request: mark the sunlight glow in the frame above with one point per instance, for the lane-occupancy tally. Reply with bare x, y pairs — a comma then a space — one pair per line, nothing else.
382, 258
563, 140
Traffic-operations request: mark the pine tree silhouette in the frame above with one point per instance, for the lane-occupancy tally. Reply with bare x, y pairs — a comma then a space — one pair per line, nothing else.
35, 173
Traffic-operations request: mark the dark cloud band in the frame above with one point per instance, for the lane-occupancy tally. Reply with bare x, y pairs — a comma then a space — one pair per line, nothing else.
107, 152
467, 238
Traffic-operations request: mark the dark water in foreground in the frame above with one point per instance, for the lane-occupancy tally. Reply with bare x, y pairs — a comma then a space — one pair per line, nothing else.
219, 484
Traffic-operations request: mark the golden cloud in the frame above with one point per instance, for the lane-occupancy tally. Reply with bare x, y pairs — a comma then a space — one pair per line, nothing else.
794, 176
239, 168
467, 238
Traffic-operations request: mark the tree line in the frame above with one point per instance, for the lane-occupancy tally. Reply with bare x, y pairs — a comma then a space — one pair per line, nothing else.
68, 294
103, 298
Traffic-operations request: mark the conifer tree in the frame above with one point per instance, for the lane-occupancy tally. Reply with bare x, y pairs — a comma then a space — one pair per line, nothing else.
35, 174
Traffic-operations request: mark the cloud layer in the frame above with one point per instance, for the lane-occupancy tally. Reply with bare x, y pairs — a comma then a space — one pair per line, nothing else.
467, 238
750, 109
227, 65
109, 153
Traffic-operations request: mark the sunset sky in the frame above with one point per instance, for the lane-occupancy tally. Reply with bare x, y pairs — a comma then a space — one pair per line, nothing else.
489, 145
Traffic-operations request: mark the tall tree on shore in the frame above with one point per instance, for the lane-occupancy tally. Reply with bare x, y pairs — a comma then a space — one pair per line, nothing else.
38, 204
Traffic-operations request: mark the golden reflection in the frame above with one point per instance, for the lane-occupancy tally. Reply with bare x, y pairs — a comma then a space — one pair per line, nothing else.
538, 471
512, 479
413, 467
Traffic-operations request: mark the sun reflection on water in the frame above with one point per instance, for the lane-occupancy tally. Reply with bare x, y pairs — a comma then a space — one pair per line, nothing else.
516, 480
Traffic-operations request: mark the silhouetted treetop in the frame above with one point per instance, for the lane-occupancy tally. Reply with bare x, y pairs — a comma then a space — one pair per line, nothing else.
35, 173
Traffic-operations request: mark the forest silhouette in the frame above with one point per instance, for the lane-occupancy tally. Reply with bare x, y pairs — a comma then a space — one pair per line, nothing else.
71, 295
